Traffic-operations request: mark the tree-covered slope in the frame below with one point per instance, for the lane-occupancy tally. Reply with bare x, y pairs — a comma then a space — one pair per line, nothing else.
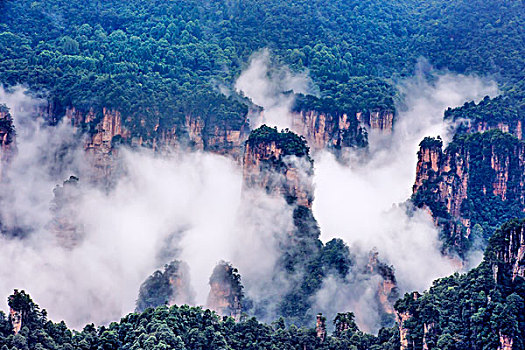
157, 61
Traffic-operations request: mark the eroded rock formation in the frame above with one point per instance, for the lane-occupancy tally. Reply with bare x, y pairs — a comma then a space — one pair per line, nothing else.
387, 290
64, 207
475, 175
7, 139
323, 130
380, 120
226, 295
279, 163
169, 287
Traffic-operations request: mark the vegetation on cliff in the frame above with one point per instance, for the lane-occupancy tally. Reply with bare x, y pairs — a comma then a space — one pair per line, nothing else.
471, 311
158, 61
490, 188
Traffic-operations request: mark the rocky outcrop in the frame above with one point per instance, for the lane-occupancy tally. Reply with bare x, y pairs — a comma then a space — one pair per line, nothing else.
7, 139
64, 208
509, 251
169, 287
279, 163
226, 295
387, 290
456, 183
16, 320
515, 127
404, 312
401, 317
380, 120
505, 342
323, 130
320, 327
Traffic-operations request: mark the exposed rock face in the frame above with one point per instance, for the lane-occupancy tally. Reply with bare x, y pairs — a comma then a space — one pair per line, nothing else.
169, 287
320, 327
381, 120
226, 294
204, 134
16, 319
427, 330
456, 183
279, 163
515, 127
323, 130
64, 208
505, 342
509, 252
403, 315
387, 291
7, 139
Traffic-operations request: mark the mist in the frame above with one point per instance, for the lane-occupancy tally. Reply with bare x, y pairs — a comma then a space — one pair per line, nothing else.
361, 200
268, 85
191, 206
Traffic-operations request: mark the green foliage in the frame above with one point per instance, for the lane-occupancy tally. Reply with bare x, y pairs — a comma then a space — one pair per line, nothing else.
288, 142
470, 311
485, 209
157, 61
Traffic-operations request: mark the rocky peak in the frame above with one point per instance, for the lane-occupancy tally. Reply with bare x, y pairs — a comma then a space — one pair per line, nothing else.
7, 138
279, 162
226, 293
320, 327
457, 183
387, 290
65, 212
169, 287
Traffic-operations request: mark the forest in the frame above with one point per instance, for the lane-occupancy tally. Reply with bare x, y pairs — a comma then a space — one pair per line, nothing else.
172, 67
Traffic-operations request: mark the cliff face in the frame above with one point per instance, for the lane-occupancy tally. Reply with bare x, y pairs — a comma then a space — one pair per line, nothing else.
225, 296
7, 139
509, 252
206, 134
387, 291
475, 175
323, 130
279, 163
403, 314
380, 120
515, 127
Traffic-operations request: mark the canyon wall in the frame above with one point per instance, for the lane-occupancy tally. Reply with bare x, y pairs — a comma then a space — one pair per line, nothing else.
478, 181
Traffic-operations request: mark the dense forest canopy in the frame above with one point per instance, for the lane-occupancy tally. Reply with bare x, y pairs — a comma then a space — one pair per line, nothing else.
158, 60
467, 311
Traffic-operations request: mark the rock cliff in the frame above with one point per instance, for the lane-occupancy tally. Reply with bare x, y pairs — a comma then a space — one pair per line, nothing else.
7, 139
508, 252
473, 185
226, 295
279, 163
324, 130
387, 290
380, 120
65, 212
